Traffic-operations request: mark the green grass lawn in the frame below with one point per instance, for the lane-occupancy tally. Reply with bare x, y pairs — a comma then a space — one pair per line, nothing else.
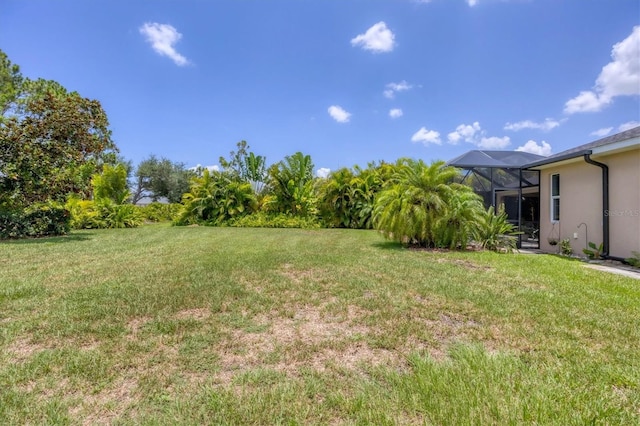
166, 325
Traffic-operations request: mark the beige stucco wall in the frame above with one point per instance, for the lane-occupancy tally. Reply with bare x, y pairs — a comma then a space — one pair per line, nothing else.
624, 202
581, 201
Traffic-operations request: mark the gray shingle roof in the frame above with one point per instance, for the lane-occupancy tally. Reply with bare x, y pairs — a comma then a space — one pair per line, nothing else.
579, 151
505, 159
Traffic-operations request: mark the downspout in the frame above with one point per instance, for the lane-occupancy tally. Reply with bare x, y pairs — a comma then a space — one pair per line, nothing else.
605, 206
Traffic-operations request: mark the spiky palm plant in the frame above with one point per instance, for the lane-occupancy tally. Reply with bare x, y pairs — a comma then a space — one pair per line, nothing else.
494, 231
423, 207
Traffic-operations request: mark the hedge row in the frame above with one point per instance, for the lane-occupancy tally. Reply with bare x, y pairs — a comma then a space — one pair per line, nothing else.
39, 220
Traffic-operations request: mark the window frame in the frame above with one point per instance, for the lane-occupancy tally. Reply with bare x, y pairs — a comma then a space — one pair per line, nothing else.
554, 213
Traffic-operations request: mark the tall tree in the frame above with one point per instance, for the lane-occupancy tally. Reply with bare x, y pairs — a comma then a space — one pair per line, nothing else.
161, 178
10, 84
53, 148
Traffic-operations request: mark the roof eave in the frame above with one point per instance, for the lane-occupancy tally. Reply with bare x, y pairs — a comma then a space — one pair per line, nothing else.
547, 161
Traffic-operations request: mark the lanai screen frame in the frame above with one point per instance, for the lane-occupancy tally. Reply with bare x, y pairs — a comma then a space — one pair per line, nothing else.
519, 179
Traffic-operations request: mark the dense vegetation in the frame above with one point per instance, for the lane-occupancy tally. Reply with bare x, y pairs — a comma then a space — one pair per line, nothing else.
59, 169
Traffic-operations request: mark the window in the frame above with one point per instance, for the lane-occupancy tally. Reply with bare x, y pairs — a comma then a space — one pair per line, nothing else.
555, 198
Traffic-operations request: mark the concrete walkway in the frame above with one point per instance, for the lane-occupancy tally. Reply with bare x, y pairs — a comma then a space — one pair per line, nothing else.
615, 270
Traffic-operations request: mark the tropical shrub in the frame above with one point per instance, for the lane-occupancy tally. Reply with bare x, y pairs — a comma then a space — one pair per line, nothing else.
290, 187
593, 251
160, 212
84, 214
119, 215
103, 213
214, 198
37, 220
494, 231
346, 198
421, 206
274, 220
111, 184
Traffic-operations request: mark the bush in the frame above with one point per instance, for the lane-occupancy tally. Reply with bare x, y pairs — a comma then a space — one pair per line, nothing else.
84, 214
274, 220
159, 212
119, 215
565, 247
87, 214
494, 232
38, 220
634, 260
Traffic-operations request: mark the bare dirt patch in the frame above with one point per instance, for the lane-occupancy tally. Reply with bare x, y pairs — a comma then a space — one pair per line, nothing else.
198, 314
23, 349
299, 275
311, 339
135, 325
107, 405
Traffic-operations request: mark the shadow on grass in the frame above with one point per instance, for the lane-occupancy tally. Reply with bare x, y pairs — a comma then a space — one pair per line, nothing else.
389, 245
55, 240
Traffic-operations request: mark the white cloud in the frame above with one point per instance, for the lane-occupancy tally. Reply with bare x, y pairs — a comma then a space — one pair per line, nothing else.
494, 142
465, 132
621, 128
162, 38
395, 113
473, 133
392, 88
602, 132
585, 102
199, 168
546, 125
628, 125
323, 172
533, 148
426, 137
340, 115
620, 77
377, 39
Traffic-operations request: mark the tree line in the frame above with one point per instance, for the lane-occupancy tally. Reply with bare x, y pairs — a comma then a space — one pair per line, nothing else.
60, 169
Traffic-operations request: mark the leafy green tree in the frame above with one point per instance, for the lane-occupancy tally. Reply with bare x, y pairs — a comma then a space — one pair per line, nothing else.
53, 149
161, 178
291, 186
10, 84
215, 198
423, 207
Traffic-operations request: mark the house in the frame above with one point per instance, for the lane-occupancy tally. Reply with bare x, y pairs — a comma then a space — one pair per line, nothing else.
590, 193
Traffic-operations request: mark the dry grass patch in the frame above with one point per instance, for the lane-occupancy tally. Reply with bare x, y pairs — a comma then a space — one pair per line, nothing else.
23, 349
316, 339
197, 314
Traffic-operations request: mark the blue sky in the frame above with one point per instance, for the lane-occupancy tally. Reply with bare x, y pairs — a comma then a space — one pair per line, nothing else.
347, 82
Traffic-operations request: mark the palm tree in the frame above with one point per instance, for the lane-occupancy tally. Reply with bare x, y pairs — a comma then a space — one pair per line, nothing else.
422, 206
291, 185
